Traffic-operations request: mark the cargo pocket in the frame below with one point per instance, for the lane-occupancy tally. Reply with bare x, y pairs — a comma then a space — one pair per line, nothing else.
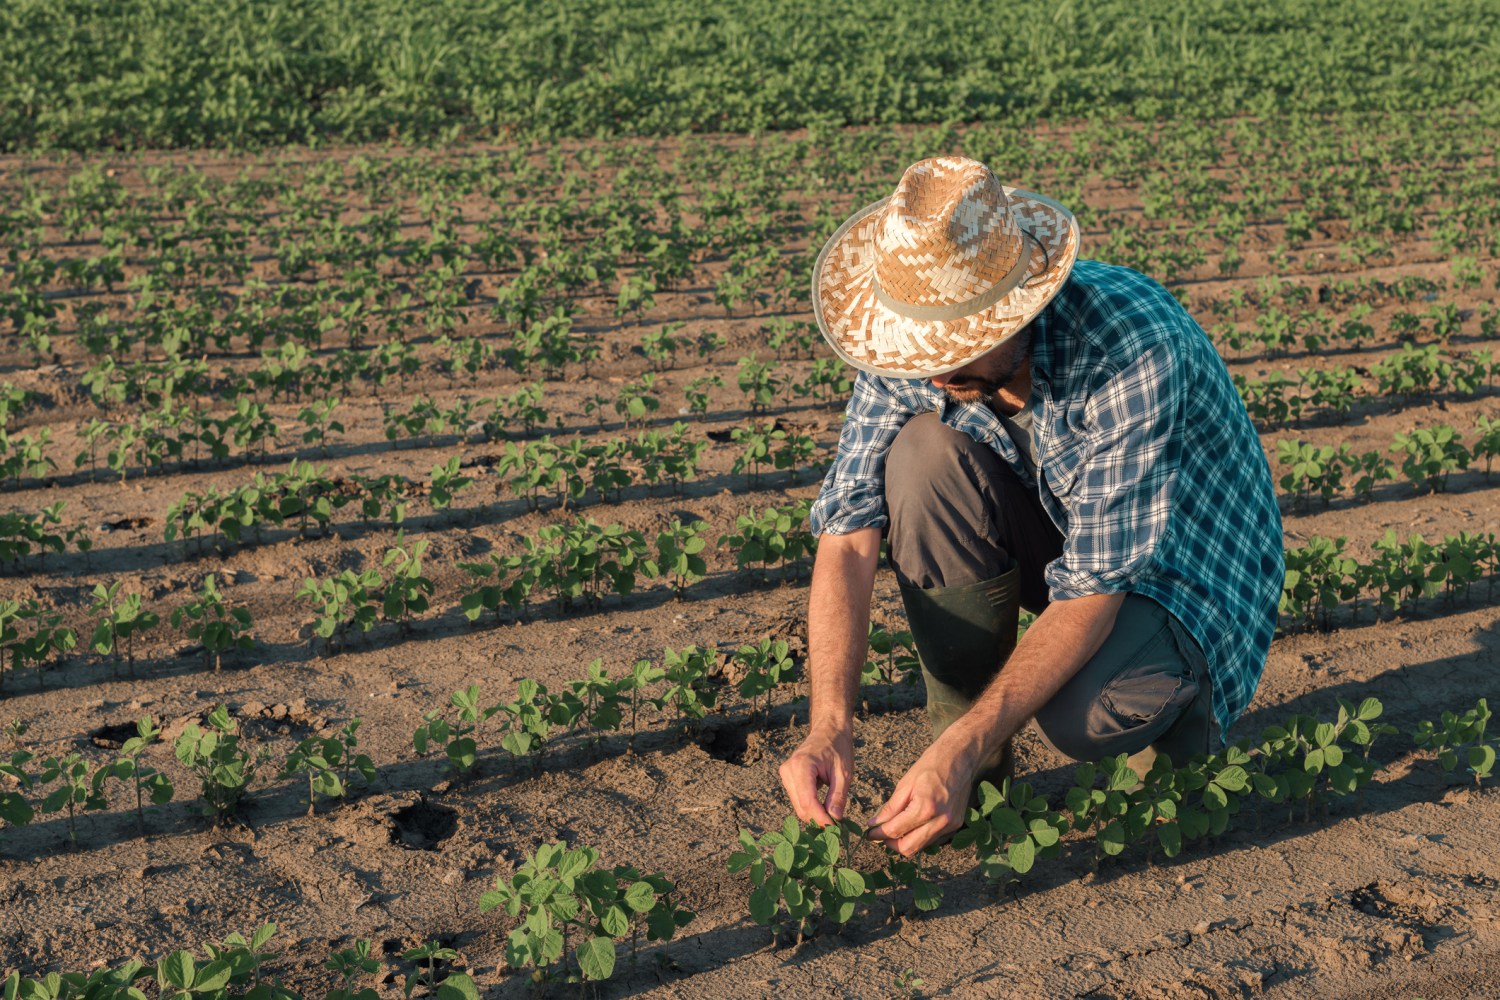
1158, 686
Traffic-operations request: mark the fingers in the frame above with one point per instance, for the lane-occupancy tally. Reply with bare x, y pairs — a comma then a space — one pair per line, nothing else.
802, 777
924, 835
913, 817
838, 792
893, 820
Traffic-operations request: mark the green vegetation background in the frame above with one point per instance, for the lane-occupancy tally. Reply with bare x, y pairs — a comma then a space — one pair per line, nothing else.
83, 74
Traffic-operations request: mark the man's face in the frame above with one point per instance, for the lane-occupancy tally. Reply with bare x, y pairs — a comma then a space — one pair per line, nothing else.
981, 378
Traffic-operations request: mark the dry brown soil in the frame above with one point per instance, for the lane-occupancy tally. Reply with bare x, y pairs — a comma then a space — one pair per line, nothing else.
1392, 897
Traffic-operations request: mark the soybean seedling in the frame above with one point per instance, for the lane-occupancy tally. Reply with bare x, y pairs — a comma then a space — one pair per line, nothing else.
14, 809
908, 984
349, 963
408, 590
642, 675
689, 690
79, 789
911, 874
224, 770
678, 555
796, 871
557, 893
454, 986
601, 701
1460, 732
533, 715
1010, 827
122, 620
146, 780
218, 627
330, 764
768, 664
456, 736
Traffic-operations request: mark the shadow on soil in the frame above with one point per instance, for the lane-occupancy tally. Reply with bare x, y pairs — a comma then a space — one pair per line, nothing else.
1410, 693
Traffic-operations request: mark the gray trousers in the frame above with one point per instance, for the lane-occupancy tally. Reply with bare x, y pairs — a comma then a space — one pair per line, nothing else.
960, 515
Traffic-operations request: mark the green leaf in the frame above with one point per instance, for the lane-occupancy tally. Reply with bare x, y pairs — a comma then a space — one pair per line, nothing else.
849, 882
640, 897
1170, 835
615, 922
989, 798
1232, 778
1214, 798
176, 970
1022, 855
784, 856
763, 906
1481, 760
1008, 823
213, 976
1112, 838
458, 987
926, 896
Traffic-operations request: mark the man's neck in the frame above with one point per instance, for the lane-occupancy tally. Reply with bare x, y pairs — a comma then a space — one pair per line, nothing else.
1012, 397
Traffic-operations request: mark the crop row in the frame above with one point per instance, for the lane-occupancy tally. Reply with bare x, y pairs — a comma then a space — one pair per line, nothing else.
1275, 332
566, 912
1408, 373
1429, 455
307, 496
549, 242
568, 565
577, 565
174, 424
799, 879
1320, 577
687, 685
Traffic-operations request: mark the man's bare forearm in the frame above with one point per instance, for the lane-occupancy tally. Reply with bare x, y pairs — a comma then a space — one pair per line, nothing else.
838, 621
1062, 639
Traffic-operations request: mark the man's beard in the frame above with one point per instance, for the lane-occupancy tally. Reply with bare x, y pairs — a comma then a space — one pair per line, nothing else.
974, 389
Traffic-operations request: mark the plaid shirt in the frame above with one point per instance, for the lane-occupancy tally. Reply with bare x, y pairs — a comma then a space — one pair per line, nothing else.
1149, 466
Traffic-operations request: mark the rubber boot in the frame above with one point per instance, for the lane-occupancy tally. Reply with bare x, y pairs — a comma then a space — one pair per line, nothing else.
963, 636
1183, 739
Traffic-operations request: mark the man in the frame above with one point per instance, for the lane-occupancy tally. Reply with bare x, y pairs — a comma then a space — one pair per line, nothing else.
1025, 432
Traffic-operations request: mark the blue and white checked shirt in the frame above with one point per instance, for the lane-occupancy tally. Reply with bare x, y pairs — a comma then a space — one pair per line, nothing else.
1149, 466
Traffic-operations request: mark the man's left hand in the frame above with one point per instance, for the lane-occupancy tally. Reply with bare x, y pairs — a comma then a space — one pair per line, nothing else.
929, 801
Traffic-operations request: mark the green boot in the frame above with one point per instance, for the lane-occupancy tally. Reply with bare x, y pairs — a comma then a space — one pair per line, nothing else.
963, 636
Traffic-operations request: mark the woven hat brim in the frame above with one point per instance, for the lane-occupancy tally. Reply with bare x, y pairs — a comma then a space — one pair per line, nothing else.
872, 338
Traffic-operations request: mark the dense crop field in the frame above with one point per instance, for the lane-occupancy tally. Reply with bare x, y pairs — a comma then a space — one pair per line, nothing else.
84, 75
407, 548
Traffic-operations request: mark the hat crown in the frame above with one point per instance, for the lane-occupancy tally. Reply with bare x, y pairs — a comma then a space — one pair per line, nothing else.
947, 235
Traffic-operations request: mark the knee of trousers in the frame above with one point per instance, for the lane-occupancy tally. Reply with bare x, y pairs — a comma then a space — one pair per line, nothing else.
1127, 715
942, 508
929, 466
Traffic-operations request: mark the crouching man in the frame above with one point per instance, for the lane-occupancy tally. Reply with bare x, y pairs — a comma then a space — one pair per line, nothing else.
1027, 430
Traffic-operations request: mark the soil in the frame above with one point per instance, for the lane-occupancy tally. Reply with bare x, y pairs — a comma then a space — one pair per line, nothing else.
1392, 896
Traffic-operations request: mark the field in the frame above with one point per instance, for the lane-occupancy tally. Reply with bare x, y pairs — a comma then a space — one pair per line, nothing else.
329, 434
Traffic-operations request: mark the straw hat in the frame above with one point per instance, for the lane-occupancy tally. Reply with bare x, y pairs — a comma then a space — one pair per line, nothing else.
925, 281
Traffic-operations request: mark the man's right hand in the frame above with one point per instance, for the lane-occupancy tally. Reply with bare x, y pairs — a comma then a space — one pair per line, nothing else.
825, 759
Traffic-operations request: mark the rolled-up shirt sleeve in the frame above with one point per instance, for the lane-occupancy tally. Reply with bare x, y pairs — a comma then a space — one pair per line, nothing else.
1120, 501
853, 493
